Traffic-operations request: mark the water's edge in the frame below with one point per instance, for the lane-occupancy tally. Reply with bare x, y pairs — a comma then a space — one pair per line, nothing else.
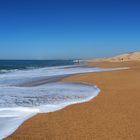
31, 112
38, 89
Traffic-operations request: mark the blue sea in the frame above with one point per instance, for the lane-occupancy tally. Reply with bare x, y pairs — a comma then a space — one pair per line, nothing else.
9, 65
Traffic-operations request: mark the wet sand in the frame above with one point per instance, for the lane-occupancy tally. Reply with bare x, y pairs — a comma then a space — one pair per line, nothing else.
113, 115
41, 81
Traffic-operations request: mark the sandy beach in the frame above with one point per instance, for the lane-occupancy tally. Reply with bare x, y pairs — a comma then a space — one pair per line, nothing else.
113, 115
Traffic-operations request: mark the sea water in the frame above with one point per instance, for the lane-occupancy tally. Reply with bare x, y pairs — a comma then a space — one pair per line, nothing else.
19, 103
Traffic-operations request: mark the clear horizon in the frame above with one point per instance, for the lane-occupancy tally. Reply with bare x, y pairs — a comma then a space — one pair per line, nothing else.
72, 29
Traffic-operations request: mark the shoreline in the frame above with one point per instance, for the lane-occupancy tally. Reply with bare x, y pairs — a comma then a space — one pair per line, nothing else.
47, 132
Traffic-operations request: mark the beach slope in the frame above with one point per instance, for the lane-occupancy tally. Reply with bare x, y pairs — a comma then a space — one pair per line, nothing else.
113, 115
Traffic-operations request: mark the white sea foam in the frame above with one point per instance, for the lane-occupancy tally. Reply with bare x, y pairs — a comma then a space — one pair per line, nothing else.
18, 104
21, 76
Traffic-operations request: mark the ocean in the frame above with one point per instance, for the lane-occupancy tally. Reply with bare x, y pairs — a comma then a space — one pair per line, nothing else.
11, 65
27, 88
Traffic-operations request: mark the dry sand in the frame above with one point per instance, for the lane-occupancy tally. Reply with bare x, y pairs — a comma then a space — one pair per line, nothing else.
113, 115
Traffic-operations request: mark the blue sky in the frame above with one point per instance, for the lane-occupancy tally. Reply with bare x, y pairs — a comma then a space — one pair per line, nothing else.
65, 29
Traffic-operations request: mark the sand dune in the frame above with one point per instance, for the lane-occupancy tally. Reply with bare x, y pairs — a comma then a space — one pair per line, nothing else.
133, 56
